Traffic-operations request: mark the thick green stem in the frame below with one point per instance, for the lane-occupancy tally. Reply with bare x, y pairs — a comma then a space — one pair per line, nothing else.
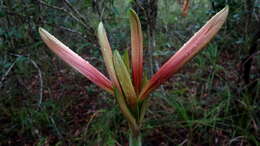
135, 139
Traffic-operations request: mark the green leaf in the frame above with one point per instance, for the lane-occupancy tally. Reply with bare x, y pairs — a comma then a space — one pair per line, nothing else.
126, 60
125, 80
124, 109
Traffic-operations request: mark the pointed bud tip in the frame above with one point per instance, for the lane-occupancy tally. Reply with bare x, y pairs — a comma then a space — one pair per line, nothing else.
100, 25
46, 36
222, 15
101, 30
224, 11
131, 12
41, 30
43, 33
227, 7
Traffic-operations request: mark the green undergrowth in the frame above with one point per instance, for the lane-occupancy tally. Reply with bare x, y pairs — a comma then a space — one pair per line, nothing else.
45, 102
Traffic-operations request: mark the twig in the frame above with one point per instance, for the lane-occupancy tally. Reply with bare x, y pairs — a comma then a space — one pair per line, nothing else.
76, 12
91, 119
56, 128
83, 19
39, 74
67, 12
236, 139
101, 15
13, 13
182, 143
6, 73
250, 84
72, 30
69, 30
250, 57
41, 81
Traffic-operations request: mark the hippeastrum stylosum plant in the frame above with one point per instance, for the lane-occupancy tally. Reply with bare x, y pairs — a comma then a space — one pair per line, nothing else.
126, 81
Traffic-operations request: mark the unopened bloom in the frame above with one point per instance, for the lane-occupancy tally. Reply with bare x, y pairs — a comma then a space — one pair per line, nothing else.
128, 86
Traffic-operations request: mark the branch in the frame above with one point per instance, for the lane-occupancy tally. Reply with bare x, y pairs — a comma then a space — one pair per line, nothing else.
40, 80
68, 29
76, 11
67, 12
83, 19
39, 74
6, 74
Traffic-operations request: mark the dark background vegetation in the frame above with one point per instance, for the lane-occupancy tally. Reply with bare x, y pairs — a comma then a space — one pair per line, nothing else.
214, 100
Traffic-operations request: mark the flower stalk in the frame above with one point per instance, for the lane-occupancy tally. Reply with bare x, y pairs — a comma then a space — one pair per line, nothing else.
126, 81
135, 140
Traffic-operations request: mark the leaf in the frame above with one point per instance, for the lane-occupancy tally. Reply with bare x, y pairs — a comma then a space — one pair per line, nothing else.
126, 61
107, 54
137, 50
124, 109
125, 80
186, 52
75, 61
